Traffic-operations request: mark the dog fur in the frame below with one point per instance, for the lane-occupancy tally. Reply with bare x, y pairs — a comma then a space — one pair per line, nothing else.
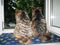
26, 29
39, 23
23, 31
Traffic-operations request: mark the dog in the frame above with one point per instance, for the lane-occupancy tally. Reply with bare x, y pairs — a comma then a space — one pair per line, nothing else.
26, 29
39, 24
23, 31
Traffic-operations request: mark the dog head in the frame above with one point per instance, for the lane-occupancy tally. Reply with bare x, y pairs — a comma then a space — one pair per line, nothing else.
21, 16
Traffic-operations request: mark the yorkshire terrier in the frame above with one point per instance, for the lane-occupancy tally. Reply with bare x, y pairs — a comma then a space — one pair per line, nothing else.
26, 29
23, 31
39, 24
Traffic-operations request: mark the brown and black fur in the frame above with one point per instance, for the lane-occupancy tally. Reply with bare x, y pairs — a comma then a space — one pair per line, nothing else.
39, 24
22, 18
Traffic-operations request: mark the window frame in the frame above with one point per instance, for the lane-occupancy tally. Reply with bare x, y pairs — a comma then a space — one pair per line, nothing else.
2, 19
49, 13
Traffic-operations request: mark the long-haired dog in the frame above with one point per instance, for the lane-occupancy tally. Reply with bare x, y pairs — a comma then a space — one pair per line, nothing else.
39, 24
23, 31
26, 29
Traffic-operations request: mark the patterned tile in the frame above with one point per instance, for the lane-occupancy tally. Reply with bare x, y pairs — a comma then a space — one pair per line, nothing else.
8, 39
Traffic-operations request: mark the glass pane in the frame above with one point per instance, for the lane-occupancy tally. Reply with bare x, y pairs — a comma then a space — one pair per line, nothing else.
26, 5
56, 13
9, 15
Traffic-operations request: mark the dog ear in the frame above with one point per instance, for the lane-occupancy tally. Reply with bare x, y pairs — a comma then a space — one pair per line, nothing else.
17, 11
17, 15
33, 11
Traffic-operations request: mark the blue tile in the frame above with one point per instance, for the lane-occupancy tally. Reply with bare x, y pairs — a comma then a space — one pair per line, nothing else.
8, 39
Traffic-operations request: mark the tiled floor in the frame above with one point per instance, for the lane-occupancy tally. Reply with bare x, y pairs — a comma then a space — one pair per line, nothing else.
8, 39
